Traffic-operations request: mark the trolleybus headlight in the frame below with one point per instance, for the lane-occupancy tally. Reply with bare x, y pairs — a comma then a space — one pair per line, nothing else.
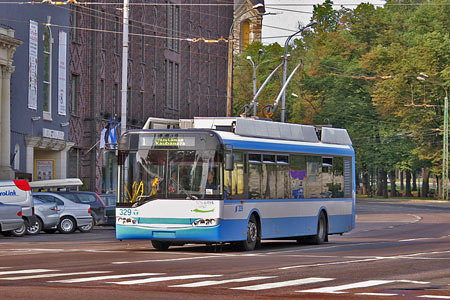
206, 222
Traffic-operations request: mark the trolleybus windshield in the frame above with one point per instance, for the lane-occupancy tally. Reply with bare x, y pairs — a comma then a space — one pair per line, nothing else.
158, 171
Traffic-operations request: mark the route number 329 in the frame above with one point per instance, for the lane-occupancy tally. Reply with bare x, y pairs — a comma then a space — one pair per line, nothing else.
127, 212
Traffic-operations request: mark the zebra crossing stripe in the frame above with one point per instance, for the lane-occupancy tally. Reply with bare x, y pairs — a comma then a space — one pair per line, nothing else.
31, 271
375, 294
107, 277
273, 285
52, 275
159, 279
434, 297
217, 282
338, 289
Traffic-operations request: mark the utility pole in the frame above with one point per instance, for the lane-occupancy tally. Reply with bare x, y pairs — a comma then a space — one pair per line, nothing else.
424, 77
123, 115
445, 150
285, 56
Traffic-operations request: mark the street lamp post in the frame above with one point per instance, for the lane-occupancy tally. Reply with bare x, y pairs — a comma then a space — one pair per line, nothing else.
255, 87
254, 73
425, 77
286, 44
230, 58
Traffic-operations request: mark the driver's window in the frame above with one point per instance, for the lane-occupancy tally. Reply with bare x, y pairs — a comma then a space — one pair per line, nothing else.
234, 180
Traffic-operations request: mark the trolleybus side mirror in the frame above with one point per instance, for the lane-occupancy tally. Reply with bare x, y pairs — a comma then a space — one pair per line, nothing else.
229, 162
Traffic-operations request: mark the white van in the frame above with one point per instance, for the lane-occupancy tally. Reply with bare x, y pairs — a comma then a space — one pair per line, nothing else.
18, 192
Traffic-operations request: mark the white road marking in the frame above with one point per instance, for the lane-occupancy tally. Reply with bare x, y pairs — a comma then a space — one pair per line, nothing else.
417, 239
434, 297
273, 285
27, 271
375, 294
159, 279
338, 289
161, 260
52, 275
107, 277
404, 256
217, 282
413, 281
331, 263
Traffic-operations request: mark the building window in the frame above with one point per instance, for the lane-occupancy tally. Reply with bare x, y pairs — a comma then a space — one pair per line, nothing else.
117, 35
115, 99
102, 96
172, 87
129, 104
75, 24
102, 29
73, 165
142, 46
245, 35
74, 92
173, 26
142, 106
47, 88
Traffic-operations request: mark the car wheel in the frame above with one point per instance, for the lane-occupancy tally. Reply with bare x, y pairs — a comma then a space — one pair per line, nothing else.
20, 231
86, 228
35, 228
66, 225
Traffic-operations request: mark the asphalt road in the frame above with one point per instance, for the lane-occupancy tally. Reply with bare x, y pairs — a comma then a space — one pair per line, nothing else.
399, 250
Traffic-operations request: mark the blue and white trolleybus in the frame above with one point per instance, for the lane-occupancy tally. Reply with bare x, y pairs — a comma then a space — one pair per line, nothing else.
235, 180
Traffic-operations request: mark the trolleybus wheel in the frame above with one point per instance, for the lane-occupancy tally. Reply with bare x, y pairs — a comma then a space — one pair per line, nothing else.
252, 235
322, 231
160, 245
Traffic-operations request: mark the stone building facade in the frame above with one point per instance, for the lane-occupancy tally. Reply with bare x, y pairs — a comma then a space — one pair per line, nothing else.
247, 24
34, 119
172, 73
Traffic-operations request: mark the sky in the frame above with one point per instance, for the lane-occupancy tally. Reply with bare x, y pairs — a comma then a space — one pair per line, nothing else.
277, 27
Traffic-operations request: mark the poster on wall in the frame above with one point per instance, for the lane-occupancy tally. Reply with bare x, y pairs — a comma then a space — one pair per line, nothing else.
62, 71
32, 65
44, 169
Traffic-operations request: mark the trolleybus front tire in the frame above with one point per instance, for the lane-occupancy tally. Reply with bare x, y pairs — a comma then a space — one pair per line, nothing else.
160, 245
252, 235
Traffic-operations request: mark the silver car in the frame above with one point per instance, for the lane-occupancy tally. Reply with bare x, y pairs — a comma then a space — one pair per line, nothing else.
71, 215
47, 217
10, 218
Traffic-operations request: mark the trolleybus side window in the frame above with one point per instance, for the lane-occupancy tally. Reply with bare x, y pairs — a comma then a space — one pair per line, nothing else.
283, 183
234, 180
254, 176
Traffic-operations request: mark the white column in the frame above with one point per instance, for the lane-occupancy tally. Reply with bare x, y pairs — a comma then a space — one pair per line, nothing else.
61, 162
2, 121
5, 147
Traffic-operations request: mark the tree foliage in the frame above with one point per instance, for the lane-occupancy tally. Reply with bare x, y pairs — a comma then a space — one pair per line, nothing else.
359, 72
